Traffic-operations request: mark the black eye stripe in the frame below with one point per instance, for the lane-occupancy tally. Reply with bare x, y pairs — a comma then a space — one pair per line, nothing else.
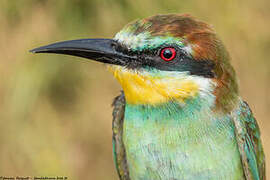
183, 62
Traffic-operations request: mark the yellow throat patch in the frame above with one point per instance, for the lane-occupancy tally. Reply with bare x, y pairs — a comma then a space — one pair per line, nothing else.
147, 88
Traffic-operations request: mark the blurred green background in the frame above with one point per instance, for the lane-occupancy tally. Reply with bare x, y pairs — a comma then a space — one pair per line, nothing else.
56, 110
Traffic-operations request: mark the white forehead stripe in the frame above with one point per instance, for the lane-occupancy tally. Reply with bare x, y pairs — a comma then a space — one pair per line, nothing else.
132, 41
144, 40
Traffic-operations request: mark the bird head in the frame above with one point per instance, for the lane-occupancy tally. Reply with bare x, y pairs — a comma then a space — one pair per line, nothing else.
162, 58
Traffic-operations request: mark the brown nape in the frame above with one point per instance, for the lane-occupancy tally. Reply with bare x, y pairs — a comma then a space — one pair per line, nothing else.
205, 45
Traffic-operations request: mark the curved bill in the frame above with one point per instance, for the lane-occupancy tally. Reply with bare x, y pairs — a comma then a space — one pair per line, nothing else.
102, 50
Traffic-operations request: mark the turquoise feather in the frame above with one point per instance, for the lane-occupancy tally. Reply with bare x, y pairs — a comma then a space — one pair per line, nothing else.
170, 141
173, 142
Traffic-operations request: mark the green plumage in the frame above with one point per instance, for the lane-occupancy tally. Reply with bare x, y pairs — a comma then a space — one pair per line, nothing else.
191, 142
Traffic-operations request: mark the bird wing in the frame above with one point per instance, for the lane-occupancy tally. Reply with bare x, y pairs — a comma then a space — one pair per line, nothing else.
118, 146
249, 143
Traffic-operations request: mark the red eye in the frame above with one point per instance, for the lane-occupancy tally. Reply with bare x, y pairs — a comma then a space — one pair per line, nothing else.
168, 53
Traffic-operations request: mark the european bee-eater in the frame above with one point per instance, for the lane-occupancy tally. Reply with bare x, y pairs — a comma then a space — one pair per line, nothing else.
180, 116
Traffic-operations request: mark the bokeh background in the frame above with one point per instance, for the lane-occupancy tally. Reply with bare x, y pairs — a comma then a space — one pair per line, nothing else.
55, 115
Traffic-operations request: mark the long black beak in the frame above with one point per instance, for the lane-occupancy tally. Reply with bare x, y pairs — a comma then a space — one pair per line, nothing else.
102, 50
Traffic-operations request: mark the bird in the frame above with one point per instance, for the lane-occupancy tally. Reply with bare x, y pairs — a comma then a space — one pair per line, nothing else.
179, 115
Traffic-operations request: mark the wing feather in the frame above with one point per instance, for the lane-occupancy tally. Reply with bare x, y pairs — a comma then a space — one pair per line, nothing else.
118, 146
249, 143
